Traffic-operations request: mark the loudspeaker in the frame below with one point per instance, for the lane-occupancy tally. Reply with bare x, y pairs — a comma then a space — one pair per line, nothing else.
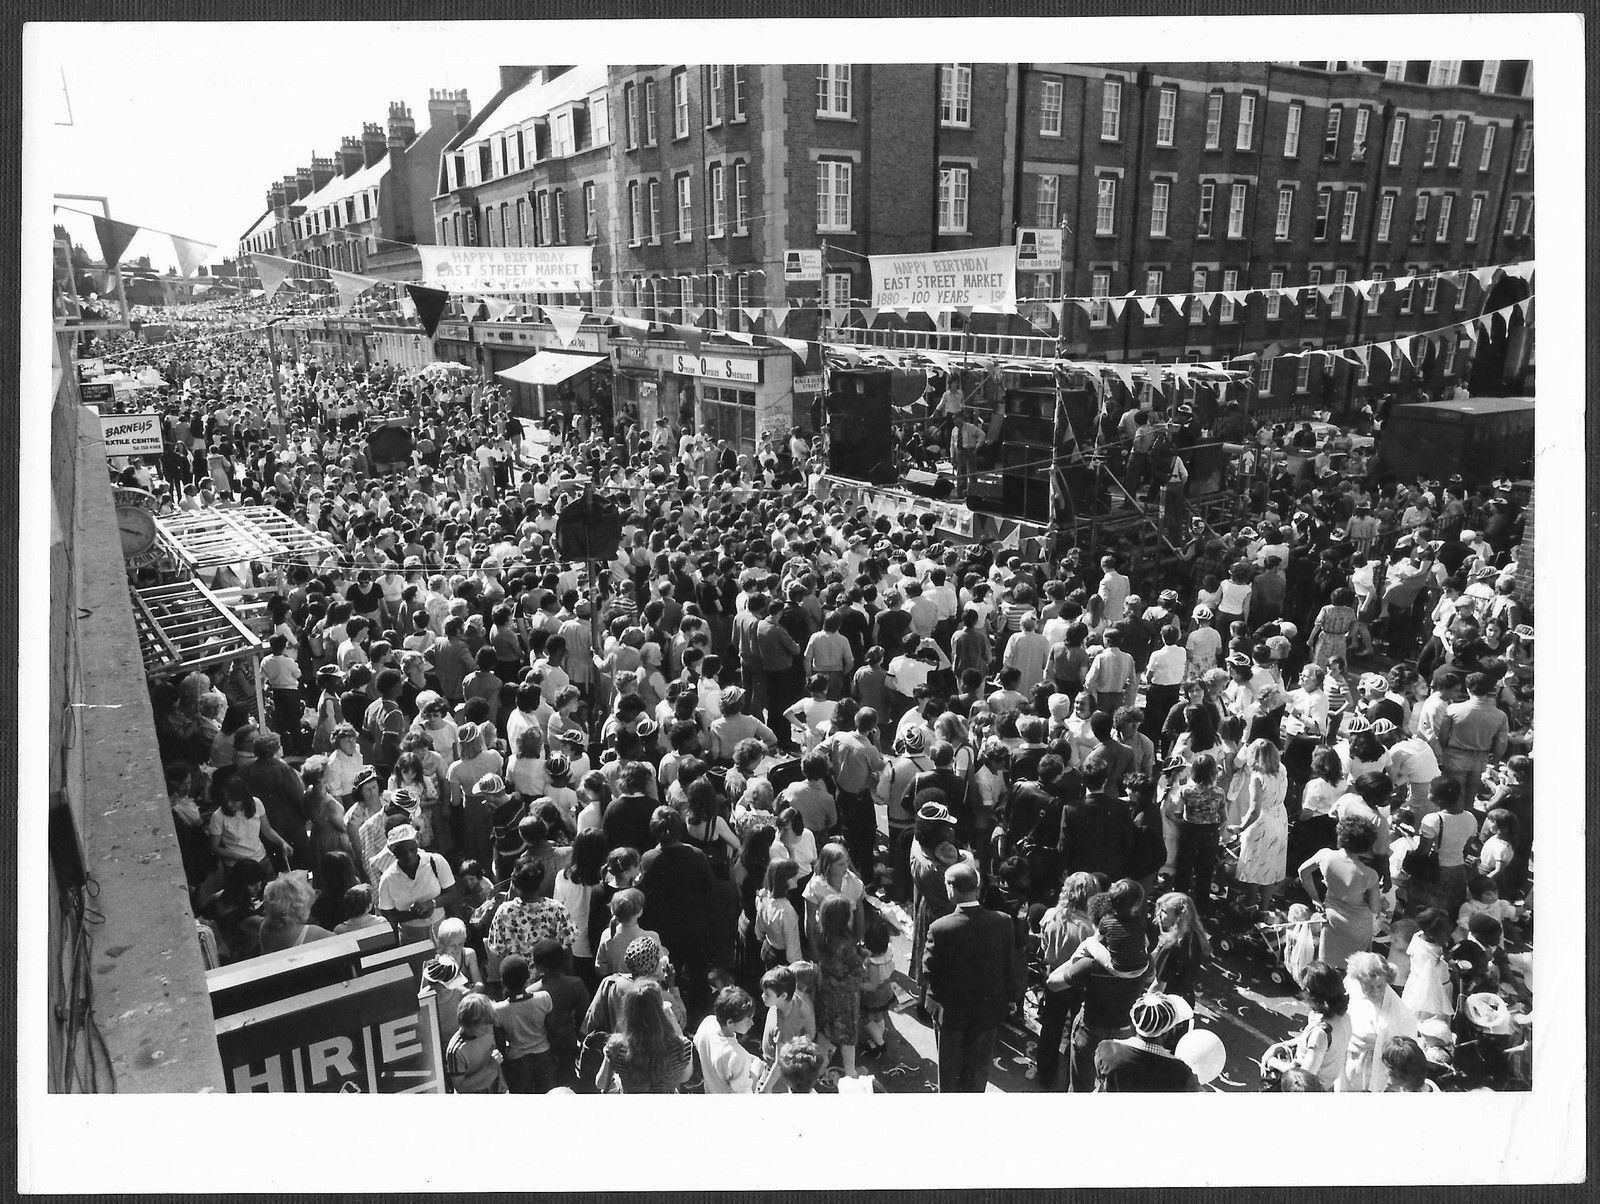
860, 421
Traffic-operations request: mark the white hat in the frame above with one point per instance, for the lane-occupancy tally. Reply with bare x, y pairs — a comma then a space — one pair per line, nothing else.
402, 834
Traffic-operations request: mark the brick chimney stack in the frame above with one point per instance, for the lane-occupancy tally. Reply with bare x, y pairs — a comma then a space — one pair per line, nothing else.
350, 158
373, 146
277, 196
449, 107
302, 183
402, 126
321, 170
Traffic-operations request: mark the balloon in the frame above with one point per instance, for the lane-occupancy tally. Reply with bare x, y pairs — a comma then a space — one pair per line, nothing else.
1204, 1053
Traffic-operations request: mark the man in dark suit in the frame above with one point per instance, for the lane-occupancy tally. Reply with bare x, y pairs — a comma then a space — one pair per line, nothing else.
967, 966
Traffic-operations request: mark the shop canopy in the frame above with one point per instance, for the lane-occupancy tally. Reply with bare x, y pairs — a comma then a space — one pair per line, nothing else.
212, 537
550, 367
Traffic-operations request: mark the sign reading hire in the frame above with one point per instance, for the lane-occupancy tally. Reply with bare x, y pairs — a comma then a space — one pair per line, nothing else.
131, 434
369, 1035
717, 367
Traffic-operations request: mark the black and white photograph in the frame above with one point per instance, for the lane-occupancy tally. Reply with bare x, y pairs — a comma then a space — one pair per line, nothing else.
589, 579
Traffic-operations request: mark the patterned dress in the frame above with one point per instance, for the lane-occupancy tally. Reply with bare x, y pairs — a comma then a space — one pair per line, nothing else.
1335, 624
1264, 851
839, 992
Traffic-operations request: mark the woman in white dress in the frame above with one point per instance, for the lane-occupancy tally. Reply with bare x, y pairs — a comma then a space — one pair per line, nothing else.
1376, 1014
1264, 831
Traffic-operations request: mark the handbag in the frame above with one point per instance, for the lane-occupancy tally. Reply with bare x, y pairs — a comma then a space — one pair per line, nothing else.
1421, 867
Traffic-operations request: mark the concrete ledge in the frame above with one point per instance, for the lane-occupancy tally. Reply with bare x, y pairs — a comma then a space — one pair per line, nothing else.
150, 995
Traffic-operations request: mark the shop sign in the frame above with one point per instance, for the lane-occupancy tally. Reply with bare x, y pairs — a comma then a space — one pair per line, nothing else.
131, 434
811, 383
717, 367
1038, 249
369, 1035
584, 340
98, 394
802, 265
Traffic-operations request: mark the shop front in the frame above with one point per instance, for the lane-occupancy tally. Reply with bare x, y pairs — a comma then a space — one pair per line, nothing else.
733, 393
540, 375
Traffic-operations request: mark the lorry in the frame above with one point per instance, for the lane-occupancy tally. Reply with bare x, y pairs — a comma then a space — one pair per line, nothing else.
1480, 439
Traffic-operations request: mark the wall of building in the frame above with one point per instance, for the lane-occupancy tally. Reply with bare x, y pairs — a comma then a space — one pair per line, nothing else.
148, 981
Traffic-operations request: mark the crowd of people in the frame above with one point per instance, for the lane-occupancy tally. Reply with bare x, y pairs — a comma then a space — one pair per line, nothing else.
660, 825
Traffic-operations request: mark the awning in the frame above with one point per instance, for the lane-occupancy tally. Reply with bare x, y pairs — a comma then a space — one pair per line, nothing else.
550, 367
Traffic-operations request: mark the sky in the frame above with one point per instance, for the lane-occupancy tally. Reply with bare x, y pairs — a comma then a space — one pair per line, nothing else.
192, 151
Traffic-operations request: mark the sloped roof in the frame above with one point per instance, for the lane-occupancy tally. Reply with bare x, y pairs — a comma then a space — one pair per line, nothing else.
340, 187
538, 99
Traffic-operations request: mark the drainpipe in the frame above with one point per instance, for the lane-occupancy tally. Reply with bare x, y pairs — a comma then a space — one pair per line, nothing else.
1142, 82
1379, 150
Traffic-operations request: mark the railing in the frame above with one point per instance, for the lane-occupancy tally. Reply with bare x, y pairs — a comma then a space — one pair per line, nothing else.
956, 341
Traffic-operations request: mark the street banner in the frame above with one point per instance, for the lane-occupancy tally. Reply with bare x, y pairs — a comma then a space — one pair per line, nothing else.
508, 269
131, 434
983, 279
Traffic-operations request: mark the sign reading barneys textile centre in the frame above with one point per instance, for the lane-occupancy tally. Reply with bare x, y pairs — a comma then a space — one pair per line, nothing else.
508, 269
984, 278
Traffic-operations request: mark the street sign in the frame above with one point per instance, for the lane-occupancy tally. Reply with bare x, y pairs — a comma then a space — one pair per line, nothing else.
370, 1035
811, 383
802, 265
1038, 249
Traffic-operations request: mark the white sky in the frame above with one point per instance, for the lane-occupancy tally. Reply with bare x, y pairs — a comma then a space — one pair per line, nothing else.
184, 127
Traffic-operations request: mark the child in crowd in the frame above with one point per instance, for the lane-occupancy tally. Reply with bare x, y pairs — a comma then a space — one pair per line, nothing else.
569, 1003
1485, 901
472, 1060
451, 941
877, 986
519, 1022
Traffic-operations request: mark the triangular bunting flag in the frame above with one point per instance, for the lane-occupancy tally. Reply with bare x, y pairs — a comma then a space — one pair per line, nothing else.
349, 286
1116, 305
1087, 304
694, 313
838, 315
191, 254
1402, 350
498, 309
778, 315
1148, 304
1207, 300
1124, 373
903, 313
1469, 331
1485, 277
1058, 311
274, 271
1179, 302
565, 321
1383, 350
798, 347
964, 310
1358, 355
114, 239
1326, 290
869, 315
741, 336
753, 312
1523, 306
691, 336
430, 303
1012, 538
634, 327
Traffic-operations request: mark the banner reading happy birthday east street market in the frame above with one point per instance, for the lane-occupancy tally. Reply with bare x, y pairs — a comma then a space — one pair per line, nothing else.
984, 278
508, 269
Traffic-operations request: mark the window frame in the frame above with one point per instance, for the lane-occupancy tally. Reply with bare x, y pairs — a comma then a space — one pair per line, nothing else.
1522, 156
1040, 217
1397, 139
1099, 310
1274, 309
1386, 203
1513, 209
1214, 108
837, 169
1341, 276
652, 116
1162, 189
829, 78
1058, 85
1309, 296
1474, 217
1375, 297
680, 104
1441, 227
1227, 311
741, 197
1199, 282
1430, 148
1292, 128
1283, 218
956, 75
653, 209
1486, 151
1238, 206
736, 111
716, 95
630, 116
1347, 214
1323, 216
1332, 129
1458, 142
717, 183
1245, 126
1170, 119
1158, 276
1205, 212
1105, 203
1111, 109
591, 213
1360, 134
1419, 217
957, 173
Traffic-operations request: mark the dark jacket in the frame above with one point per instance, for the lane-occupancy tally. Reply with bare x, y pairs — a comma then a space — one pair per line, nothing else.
1097, 835
968, 967
626, 822
678, 888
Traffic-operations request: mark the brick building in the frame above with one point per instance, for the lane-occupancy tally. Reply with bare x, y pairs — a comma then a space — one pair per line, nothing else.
361, 210
691, 181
